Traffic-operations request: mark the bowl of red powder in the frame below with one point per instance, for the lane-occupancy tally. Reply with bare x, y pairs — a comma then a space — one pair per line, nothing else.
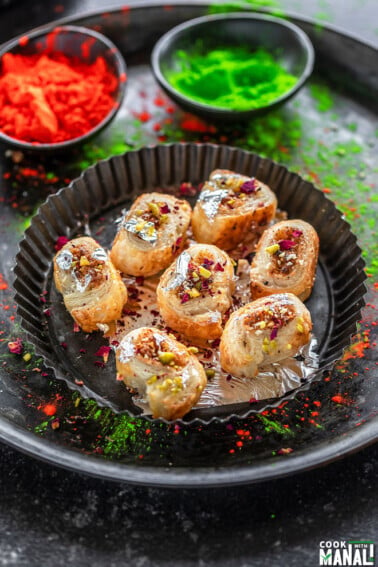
59, 87
234, 66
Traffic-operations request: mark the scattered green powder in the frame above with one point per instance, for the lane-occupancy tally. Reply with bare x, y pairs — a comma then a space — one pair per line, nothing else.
231, 77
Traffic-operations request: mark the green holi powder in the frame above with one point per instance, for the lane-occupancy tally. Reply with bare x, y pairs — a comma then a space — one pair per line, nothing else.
271, 425
323, 97
231, 77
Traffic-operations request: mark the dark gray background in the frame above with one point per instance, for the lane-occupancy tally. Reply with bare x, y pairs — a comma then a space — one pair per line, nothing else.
51, 517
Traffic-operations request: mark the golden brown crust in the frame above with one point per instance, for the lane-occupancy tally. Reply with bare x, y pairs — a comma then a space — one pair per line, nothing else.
228, 206
264, 331
196, 291
285, 260
162, 369
93, 291
151, 235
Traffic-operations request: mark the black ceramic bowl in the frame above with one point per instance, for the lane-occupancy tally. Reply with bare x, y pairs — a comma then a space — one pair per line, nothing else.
76, 42
289, 45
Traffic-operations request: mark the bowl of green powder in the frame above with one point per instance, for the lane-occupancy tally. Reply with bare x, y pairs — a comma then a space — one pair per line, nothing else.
233, 66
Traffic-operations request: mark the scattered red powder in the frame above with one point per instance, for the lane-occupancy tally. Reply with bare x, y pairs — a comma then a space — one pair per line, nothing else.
48, 409
339, 399
3, 283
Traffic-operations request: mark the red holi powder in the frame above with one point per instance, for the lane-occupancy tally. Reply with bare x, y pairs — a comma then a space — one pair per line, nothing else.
356, 350
159, 101
86, 47
143, 116
23, 40
3, 284
48, 409
192, 124
339, 399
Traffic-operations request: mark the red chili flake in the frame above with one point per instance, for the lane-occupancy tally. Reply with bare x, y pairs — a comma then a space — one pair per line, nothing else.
253, 400
249, 186
99, 364
60, 242
286, 244
76, 328
16, 347
63, 345
164, 209
47, 312
185, 297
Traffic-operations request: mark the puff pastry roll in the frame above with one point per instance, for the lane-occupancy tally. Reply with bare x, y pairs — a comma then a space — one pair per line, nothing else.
151, 234
285, 260
196, 290
162, 370
266, 330
92, 289
227, 207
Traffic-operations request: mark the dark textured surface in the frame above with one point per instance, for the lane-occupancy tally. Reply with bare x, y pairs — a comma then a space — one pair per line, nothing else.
51, 517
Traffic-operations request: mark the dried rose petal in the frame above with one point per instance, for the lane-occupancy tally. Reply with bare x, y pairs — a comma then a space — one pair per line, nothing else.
286, 244
139, 280
249, 186
164, 209
16, 347
185, 297
103, 350
218, 267
206, 262
60, 242
297, 233
273, 334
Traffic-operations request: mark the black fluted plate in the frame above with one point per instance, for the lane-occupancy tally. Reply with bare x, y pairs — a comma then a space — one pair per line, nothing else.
95, 200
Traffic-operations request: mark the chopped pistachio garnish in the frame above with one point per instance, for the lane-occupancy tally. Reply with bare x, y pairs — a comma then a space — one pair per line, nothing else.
194, 292
166, 357
84, 261
139, 226
272, 249
154, 208
193, 350
204, 272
